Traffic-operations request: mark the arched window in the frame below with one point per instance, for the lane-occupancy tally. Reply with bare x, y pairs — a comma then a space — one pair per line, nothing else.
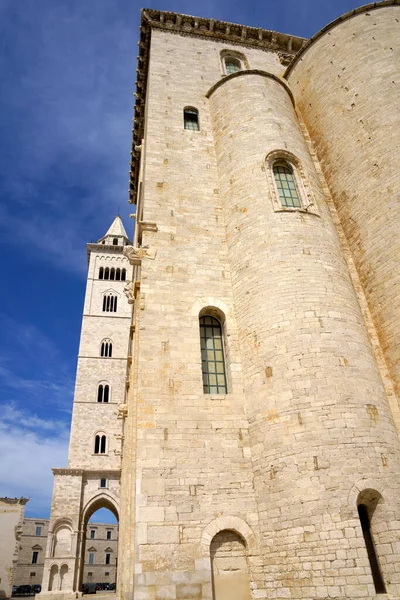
106, 348
101, 273
286, 184
118, 274
109, 303
191, 119
107, 273
100, 444
103, 392
115, 242
112, 274
232, 65
212, 356
123, 275
370, 547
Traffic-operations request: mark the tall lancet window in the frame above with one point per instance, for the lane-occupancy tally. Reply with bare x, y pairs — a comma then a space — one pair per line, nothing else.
286, 185
212, 356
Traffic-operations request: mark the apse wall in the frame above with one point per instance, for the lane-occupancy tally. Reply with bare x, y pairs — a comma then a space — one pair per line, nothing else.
346, 85
311, 382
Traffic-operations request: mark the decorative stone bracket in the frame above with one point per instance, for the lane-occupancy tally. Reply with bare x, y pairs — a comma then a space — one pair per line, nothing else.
135, 254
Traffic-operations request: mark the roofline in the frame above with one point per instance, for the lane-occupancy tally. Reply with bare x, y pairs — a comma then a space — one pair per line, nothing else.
345, 17
188, 25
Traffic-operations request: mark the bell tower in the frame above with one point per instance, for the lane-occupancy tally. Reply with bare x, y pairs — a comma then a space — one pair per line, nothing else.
92, 478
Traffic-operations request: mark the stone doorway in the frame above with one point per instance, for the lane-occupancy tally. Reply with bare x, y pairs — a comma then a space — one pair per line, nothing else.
229, 568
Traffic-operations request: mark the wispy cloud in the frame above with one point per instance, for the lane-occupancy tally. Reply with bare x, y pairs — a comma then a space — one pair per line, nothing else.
29, 448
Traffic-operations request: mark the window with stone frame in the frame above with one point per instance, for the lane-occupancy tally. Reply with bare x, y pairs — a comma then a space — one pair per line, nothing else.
106, 348
110, 302
232, 65
35, 556
191, 119
100, 444
285, 181
212, 356
103, 392
289, 186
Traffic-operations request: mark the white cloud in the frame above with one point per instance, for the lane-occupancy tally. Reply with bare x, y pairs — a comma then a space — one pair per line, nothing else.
28, 453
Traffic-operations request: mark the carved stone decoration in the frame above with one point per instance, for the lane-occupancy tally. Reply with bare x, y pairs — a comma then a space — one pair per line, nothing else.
135, 254
129, 292
285, 58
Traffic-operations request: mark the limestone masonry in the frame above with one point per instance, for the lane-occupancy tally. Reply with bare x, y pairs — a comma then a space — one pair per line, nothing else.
237, 392
101, 540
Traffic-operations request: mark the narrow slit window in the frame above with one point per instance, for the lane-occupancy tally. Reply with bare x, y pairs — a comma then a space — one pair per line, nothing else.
112, 274
123, 275
101, 273
103, 444
191, 119
100, 392
115, 242
286, 185
103, 483
97, 444
118, 275
371, 551
106, 273
106, 393
212, 356
232, 65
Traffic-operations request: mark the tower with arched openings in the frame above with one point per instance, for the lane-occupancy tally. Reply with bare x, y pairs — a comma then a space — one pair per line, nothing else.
261, 419
91, 479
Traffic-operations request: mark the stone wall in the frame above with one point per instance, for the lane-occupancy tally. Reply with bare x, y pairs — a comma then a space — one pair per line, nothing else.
11, 517
305, 432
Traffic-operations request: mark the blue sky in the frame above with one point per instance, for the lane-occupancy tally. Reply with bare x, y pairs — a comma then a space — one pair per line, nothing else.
67, 72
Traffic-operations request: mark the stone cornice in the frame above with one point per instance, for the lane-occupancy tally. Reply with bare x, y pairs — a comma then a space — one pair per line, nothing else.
106, 248
14, 500
345, 17
68, 471
250, 72
283, 44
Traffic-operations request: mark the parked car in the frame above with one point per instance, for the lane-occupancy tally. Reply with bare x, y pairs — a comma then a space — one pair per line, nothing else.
21, 590
36, 589
89, 588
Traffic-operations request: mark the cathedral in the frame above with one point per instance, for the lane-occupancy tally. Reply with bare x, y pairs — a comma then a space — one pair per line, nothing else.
237, 391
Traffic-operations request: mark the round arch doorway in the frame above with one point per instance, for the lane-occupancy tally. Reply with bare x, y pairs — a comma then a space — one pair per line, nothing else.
98, 560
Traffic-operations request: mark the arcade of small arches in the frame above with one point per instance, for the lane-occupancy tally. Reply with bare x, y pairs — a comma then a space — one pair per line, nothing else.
112, 274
